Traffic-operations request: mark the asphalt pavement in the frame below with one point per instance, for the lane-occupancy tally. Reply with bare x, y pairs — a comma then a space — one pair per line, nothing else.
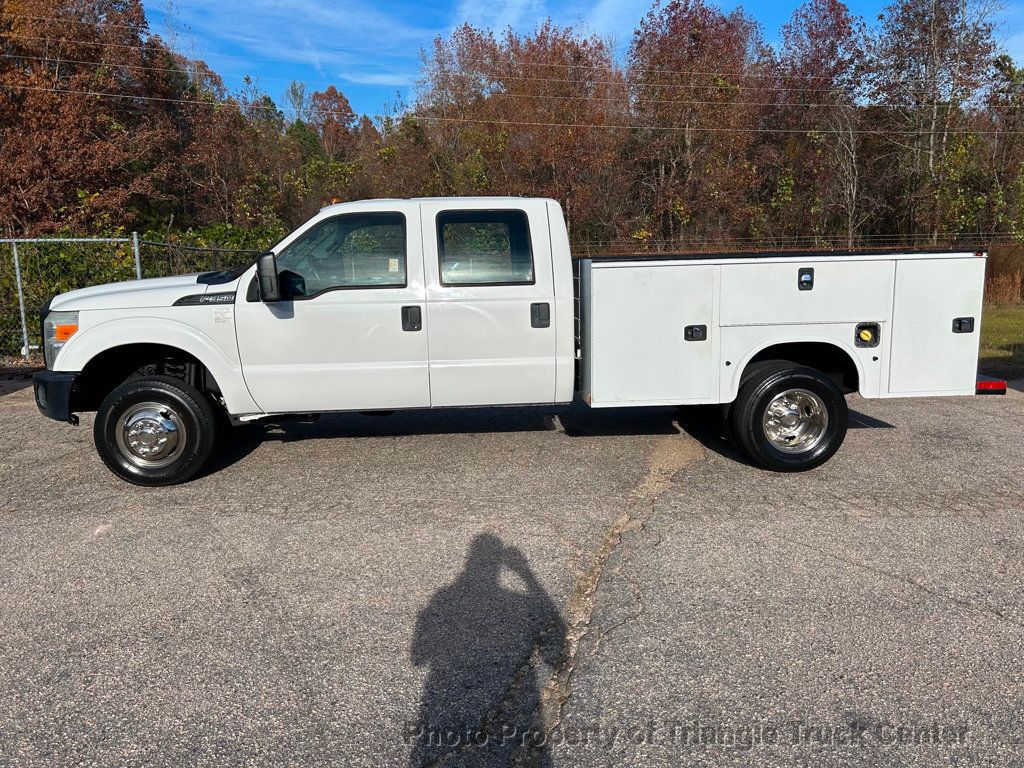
516, 586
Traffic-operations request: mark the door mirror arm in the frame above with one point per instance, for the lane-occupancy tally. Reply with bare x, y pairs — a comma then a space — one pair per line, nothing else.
266, 273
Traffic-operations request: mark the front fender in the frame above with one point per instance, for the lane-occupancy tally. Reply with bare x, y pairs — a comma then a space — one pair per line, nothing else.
105, 335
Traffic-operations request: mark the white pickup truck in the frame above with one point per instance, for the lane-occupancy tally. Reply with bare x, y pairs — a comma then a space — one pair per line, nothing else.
436, 303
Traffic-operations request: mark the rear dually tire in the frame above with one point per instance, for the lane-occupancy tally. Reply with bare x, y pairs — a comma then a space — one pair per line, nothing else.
788, 417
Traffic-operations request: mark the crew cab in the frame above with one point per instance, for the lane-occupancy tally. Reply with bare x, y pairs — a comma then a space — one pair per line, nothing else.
448, 302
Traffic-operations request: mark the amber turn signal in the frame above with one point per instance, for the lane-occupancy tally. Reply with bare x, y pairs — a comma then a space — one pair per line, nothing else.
64, 332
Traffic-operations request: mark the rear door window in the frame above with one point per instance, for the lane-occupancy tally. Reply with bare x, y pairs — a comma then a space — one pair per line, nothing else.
484, 248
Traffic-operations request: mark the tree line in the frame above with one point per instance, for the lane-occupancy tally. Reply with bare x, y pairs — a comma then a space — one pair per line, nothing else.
905, 130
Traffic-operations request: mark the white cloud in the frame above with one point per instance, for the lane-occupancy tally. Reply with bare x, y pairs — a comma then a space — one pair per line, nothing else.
611, 20
311, 49
371, 45
500, 14
616, 18
397, 79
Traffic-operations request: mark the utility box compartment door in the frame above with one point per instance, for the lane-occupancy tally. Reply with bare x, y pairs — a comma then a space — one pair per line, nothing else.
839, 291
652, 335
927, 356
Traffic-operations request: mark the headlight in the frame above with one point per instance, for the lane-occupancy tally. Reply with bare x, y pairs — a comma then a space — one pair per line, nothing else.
58, 327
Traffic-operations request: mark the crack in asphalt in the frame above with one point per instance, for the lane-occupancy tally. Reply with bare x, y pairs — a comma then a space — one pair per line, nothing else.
668, 456
638, 597
865, 566
507, 703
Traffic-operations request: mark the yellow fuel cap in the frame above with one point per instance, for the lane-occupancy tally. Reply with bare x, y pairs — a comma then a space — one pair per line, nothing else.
866, 335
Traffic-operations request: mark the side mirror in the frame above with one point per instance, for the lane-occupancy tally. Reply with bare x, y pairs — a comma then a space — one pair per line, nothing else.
266, 273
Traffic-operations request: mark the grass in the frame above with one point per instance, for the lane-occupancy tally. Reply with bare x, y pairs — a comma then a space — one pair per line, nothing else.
1002, 342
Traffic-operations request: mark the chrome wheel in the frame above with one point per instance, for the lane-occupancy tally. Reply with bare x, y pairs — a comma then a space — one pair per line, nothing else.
795, 421
150, 435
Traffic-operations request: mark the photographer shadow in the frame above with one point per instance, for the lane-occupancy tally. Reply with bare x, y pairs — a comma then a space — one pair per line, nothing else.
484, 638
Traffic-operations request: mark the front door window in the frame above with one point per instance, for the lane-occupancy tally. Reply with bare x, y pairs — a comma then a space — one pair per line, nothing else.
364, 250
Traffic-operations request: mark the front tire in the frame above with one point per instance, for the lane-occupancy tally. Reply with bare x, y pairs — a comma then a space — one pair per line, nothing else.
787, 417
155, 430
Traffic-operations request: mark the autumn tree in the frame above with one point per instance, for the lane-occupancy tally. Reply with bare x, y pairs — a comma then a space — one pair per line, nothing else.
70, 157
332, 117
1004, 151
103, 127
704, 137
822, 68
541, 114
697, 77
931, 65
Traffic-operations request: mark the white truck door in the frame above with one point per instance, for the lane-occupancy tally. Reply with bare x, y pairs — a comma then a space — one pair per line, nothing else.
350, 337
490, 303
936, 326
652, 335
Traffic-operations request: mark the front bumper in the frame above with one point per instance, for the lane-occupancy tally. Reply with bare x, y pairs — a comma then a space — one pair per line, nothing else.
53, 393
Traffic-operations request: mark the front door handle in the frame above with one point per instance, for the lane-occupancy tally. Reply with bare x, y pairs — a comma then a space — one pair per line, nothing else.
412, 318
540, 315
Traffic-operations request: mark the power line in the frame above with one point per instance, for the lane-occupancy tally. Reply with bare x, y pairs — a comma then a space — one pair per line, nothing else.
876, 237
702, 129
482, 60
623, 81
718, 244
184, 68
82, 62
643, 84
625, 99
65, 20
534, 124
145, 47
164, 99
780, 75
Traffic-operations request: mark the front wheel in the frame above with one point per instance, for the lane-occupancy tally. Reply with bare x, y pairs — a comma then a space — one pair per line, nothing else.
787, 417
155, 430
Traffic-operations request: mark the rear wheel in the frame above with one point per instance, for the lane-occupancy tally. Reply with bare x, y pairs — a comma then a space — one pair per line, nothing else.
787, 417
156, 430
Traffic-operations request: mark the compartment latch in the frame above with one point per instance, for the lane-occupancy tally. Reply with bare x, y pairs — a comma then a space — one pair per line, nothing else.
695, 333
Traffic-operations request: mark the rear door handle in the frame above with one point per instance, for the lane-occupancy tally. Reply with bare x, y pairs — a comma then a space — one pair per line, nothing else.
412, 319
540, 315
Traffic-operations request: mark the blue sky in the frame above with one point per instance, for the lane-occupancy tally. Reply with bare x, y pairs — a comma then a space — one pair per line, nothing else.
370, 50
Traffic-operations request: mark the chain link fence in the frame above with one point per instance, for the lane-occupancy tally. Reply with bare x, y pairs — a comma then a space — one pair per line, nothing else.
161, 259
642, 243
34, 269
